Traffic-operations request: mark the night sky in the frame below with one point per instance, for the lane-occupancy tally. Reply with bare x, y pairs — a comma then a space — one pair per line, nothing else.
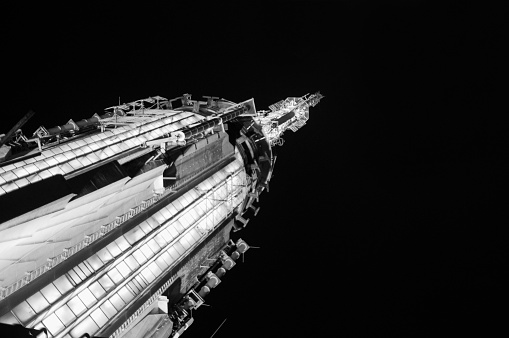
385, 214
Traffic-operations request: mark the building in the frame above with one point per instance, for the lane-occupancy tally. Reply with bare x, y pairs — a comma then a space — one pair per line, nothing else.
119, 225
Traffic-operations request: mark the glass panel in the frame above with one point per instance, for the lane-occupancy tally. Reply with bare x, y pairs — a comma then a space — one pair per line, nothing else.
51, 293
122, 243
161, 263
79, 273
131, 262
173, 232
185, 243
160, 240
195, 235
155, 222
66, 168
85, 270
139, 256
171, 208
180, 224
88, 325
167, 258
9, 318
114, 249
145, 227
99, 317
146, 251
53, 324
180, 249
124, 270
108, 309
104, 255
134, 288
38, 302
87, 298
143, 283
154, 245
134, 235
126, 295
74, 277
173, 253
106, 282
97, 290
84, 161
76, 306
89, 267
62, 284
164, 211
139, 284
65, 315
177, 204
166, 235
193, 214
185, 199
187, 219
115, 276
155, 269
23, 312
117, 302
148, 275
201, 207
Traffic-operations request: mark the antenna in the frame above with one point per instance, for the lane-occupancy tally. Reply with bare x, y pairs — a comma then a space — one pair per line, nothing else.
218, 327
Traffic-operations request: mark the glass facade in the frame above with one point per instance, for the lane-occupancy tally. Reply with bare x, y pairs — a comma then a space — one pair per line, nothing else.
96, 290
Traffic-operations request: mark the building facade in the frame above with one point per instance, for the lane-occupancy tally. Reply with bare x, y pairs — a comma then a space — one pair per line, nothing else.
119, 225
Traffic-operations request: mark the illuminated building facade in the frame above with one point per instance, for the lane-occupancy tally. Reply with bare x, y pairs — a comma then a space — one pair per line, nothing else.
119, 225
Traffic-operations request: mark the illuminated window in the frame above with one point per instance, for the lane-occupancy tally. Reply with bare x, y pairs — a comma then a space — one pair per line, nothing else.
51, 293
122, 243
62, 284
23, 312
123, 269
97, 290
76, 306
131, 262
139, 256
65, 315
147, 251
87, 298
117, 302
53, 324
154, 245
114, 249
108, 309
106, 282
125, 294
115, 276
148, 275
37, 302
99, 317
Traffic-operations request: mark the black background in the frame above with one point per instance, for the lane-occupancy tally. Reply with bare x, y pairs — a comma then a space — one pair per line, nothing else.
385, 215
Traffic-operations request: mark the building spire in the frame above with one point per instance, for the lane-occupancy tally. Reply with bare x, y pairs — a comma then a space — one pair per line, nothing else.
291, 113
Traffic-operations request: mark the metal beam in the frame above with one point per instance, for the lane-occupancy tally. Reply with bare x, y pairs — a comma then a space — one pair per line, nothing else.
18, 125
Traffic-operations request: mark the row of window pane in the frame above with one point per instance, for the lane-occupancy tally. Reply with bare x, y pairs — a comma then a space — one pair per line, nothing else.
74, 158
89, 296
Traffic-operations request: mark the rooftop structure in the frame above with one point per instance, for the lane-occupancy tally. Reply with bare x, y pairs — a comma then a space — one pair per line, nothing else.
119, 225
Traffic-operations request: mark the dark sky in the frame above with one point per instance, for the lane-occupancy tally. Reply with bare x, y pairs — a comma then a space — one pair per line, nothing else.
385, 215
